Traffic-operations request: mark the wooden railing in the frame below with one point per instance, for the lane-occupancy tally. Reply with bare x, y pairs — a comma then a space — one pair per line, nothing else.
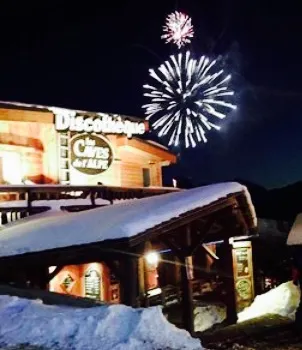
35, 193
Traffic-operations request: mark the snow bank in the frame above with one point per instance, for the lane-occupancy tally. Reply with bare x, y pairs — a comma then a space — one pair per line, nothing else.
122, 220
207, 316
115, 327
282, 301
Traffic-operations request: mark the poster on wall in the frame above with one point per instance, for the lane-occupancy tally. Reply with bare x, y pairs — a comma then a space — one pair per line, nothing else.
90, 154
92, 284
242, 259
243, 274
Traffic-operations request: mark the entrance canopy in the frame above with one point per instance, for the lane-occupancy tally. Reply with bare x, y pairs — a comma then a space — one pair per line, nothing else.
128, 223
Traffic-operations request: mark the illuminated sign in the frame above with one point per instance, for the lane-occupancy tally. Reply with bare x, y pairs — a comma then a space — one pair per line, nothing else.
66, 120
92, 284
90, 154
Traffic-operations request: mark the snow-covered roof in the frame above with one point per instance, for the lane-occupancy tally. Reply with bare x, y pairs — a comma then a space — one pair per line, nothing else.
123, 220
158, 144
295, 234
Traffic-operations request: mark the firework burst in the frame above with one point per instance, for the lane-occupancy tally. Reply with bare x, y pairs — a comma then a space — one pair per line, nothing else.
178, 29
189, 97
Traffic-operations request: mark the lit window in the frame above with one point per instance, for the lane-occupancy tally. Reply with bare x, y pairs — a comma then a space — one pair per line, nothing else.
11, 167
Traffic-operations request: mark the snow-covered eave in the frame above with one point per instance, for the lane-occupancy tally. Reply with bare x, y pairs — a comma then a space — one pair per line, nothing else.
244, 205
239, 200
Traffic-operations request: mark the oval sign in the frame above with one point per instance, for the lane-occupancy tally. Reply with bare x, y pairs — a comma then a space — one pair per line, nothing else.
90, 154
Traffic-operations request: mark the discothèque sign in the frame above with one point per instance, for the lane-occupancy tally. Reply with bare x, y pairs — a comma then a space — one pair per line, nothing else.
99, 124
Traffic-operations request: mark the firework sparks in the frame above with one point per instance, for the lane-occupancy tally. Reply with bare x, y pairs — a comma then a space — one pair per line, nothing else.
188, 98
178, 29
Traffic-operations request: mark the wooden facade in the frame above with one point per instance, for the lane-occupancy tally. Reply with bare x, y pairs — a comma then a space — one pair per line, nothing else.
32, 151
38, 153
36, 164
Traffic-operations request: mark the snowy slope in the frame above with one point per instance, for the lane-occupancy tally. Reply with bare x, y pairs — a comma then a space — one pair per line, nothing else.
115, 327
121, 220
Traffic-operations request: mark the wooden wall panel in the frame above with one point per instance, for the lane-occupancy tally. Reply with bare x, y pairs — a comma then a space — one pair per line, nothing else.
21, 115
131, 174
40, 158
126, 169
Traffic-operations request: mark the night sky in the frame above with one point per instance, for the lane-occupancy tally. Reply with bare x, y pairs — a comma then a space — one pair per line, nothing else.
96, 57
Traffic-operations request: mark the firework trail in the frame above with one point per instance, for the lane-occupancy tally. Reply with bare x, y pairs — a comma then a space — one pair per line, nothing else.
188, 98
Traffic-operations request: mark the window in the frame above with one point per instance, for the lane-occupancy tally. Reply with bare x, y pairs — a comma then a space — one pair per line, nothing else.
146, 177
11, 168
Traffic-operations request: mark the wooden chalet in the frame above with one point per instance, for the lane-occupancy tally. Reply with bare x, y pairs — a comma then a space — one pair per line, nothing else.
115, 239
98, 223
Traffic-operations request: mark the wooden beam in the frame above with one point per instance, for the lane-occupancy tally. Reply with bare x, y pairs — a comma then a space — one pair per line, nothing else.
129, 281
186, 287
54, 273
228, 281
206, 229
210, 252
175, 248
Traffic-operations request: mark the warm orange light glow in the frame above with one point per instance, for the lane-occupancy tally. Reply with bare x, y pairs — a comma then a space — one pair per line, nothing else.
11, 167
152, 258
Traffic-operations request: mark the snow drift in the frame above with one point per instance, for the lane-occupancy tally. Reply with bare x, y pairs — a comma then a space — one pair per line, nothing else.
114, 327
207, 316
283, 301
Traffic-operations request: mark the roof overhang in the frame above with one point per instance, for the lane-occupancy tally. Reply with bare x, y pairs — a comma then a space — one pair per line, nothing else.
147, 147
236, 208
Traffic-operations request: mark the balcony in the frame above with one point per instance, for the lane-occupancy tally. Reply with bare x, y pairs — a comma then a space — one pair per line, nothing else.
19, 201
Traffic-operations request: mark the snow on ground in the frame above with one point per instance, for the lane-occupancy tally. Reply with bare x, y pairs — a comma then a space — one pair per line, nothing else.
115, 327
282, 301
122, 220
207, 316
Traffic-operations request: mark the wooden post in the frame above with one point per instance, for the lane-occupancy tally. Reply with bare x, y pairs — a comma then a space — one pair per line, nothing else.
230, 296
38, 277
143, 273
187, 299
29, 201
141, 280
186, 286
130, 281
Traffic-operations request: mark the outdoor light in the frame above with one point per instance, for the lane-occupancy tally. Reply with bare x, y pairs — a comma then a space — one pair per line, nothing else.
51, 269
152, 258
